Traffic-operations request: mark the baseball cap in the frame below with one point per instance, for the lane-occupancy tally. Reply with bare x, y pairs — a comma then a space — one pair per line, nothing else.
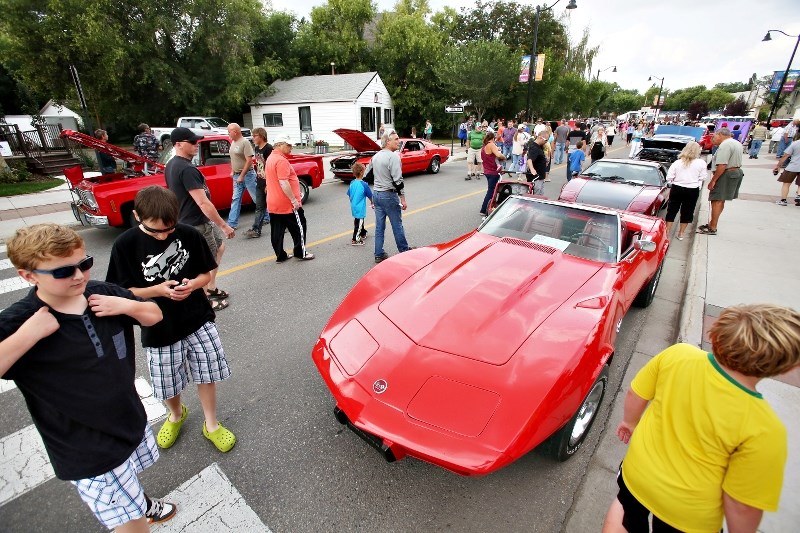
281, 139
184, 135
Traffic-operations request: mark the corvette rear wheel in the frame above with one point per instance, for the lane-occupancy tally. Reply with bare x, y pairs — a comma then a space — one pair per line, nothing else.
304, 191
648, 292
568, 440
435, 165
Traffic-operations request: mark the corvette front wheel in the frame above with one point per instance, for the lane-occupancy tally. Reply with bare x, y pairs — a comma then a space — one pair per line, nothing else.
566, 441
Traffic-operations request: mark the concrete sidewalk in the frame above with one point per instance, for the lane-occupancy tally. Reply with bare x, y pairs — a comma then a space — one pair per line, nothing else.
752, 259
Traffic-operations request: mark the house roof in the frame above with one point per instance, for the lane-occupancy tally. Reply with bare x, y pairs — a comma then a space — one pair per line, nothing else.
329, 88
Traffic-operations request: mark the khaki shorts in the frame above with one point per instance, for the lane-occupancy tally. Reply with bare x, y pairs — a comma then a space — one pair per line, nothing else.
213, 236
727, 186
474, 156
787, 176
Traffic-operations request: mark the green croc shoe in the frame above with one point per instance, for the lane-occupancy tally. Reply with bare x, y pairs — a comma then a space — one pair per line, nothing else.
169, 432
222, 438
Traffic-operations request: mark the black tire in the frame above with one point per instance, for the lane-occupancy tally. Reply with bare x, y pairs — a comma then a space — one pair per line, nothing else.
130, 220
305, 191
648, 292
435, 165
566, 441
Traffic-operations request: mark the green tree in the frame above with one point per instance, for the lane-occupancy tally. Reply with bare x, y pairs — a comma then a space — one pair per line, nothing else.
681, 98
734, 86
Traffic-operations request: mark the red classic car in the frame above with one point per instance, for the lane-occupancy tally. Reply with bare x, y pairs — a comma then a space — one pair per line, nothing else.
631, 185
471, 353
107, 200
416, 155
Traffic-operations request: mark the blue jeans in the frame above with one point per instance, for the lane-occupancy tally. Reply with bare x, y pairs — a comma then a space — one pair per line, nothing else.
755, 147
515, 162
238, 191
491, 182
782, 145
506, 151
558, 157
387, 204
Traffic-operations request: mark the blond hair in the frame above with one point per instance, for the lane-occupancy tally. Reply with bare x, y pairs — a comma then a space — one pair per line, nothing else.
759, 340
32, 245
689, 153
358, 170
260, 132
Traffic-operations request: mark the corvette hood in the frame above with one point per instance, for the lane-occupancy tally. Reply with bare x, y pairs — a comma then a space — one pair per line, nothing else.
357, 140
608, 194
482, 300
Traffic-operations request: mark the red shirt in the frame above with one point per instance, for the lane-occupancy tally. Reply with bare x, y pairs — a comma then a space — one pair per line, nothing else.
277, 169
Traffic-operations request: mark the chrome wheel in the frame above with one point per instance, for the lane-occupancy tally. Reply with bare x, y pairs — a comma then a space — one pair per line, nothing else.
587, 413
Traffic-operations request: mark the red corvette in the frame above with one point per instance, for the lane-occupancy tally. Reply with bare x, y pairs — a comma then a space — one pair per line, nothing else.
631, 185
471, 353
416, 155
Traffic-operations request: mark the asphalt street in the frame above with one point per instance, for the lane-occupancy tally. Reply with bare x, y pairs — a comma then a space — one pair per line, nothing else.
294, 465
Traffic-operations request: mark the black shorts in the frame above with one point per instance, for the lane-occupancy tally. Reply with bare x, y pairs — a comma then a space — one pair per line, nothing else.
636, 516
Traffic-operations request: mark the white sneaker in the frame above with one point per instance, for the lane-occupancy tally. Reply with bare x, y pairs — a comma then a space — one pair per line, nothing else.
782, 202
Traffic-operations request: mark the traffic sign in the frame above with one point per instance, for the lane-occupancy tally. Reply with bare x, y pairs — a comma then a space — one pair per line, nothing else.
454, 109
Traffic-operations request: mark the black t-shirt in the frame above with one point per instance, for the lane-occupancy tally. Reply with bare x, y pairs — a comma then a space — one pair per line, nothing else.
574, 136
78, 385
140, 260
262, 154
182, 176
538, 159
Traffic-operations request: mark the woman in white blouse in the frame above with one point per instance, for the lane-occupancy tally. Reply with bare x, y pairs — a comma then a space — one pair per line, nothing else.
686, 176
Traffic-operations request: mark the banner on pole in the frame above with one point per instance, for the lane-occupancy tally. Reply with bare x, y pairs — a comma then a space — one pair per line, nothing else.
525, 69
539, 67
791, 81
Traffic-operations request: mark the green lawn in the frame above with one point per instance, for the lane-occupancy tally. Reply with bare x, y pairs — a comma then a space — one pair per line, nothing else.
25, 187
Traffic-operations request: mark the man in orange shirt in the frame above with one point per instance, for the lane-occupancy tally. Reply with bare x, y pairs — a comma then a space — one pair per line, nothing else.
284, 202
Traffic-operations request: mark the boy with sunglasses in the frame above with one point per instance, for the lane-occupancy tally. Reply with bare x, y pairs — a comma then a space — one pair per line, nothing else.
171, 263
68, 345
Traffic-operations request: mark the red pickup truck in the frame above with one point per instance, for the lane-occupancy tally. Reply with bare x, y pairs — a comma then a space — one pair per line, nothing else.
107, 200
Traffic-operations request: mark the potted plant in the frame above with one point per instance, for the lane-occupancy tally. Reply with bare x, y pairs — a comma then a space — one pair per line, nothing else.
321, 147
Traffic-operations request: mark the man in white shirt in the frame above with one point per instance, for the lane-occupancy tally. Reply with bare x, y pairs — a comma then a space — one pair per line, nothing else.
777, 135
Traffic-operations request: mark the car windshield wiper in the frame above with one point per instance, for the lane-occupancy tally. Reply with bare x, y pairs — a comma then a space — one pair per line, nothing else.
614, 178
634, 182
591, 174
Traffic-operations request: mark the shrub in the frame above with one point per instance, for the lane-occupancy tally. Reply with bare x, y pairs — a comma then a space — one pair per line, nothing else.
16, 172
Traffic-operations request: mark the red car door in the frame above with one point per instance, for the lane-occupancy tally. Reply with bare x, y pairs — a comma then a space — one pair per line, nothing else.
413, 156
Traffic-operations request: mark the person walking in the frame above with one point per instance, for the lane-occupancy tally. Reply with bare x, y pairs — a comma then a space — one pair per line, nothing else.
757, 138
388, 197
428, 130
703, 444
724, 184
686, 175
359, 192
507, 137
611, 132
576, 159
242, 172
561, 141
474, 147
490, 155
789, 133
636, 141
791, 172
536, 162
263, 150
599, 144
629, 134
521, 139
284, 203
462, 134
776, 136
195, 207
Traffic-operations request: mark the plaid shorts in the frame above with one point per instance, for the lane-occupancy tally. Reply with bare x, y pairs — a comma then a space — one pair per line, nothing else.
117, 497
201, 351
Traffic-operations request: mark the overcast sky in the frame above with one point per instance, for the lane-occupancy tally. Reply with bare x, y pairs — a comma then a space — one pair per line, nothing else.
687, 42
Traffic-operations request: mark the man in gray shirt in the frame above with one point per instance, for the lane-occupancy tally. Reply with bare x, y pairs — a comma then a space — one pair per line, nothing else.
388, 197
561, 141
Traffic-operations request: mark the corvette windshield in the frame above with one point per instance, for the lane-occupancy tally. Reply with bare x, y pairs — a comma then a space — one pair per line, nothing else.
573, 230
625, 172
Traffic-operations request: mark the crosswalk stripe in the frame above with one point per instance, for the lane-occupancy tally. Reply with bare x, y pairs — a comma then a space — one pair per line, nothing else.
13, 284
209, 503
24, 464
5, 264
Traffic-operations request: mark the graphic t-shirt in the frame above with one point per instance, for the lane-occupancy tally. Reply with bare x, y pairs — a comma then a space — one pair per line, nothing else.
78, 385
262, 154
140, 260
181, 177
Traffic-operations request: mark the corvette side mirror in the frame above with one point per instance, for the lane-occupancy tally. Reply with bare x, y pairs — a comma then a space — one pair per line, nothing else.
645, 246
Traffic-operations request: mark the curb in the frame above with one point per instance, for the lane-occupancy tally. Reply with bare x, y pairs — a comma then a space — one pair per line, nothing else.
690, 320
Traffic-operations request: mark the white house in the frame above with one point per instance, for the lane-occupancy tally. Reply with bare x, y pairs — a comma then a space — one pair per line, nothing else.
311, 107
52, 113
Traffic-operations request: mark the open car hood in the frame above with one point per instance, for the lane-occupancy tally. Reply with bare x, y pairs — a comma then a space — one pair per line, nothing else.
608, 193
107, 148
666, 142
358, 140
483, 301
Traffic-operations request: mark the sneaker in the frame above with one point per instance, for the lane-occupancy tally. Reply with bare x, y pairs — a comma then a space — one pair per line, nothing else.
279, 261
357, 243
797, 200
382, 257
468, 177
784, 202
160, 511
252, 234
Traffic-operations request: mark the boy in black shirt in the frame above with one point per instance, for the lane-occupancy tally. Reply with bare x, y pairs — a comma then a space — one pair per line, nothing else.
171, 263
68, 345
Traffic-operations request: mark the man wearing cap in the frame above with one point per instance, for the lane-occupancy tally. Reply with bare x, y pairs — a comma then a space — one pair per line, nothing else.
474, 147
536, 163
196, 209
724, 184
242, 172
284, 202
388, 197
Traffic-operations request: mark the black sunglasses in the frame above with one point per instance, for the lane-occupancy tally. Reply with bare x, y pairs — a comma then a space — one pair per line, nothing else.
153, 230
68, 270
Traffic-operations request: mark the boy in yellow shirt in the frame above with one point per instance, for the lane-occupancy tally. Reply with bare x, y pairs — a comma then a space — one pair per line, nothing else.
709, 446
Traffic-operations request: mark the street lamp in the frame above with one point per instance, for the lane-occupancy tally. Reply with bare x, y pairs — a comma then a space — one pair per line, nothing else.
767, 37
605, 69
332, 68
531, 70
658, 100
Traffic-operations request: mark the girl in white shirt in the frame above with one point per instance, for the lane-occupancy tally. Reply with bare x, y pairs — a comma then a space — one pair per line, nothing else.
518, 148
686, 176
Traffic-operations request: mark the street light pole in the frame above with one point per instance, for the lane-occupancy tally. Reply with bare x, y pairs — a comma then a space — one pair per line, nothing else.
767, 37
597, 78
658, 100
531, 70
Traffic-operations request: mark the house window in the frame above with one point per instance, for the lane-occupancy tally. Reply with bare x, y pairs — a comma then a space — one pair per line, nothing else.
273, 120
367, 119
305, 118
387, 116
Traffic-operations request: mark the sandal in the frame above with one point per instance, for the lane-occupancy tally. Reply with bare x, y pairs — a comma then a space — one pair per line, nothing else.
222, 438
169, 432
218, 305
217, 294
706, 230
